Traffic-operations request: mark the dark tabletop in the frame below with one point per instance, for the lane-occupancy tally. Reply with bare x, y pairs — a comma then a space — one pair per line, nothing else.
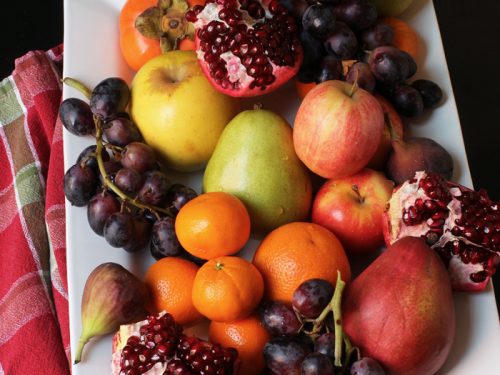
469, 29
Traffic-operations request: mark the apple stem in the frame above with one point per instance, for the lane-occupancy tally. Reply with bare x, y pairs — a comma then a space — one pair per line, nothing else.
71, 82
354, 87
356, 190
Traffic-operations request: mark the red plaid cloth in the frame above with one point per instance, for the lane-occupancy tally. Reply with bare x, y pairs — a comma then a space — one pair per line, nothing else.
34, 325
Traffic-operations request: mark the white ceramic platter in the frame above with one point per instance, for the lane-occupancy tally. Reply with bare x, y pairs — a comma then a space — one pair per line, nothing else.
92, 54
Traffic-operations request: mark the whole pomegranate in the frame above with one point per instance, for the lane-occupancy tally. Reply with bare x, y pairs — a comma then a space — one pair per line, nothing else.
246, 47
460, 224
157, 345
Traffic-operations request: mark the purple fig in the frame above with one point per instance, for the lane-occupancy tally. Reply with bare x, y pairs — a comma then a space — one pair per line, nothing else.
418, 154
112, 296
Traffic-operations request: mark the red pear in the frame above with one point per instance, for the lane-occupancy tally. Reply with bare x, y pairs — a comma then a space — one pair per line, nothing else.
400, 310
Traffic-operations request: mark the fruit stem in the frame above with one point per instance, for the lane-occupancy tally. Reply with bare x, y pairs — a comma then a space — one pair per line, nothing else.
71, 82
355, 85
81, 343
358, 194
107, 181
388, 121
336, 306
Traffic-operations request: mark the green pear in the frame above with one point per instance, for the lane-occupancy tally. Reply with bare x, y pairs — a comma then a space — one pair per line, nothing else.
393, 8
255, 160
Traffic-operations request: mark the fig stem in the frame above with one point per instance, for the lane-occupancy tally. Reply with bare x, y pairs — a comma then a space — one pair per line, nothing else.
81, 343
107, 181
71, 82
336, 306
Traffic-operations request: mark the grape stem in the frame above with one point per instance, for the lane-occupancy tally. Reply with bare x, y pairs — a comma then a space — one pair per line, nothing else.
71, 82
110, 185
335, 307
100, 162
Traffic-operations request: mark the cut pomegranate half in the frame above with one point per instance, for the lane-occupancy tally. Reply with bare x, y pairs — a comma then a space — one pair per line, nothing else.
461, 224
157, 346
246, 47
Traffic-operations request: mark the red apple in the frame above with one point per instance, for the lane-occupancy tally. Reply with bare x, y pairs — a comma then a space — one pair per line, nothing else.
352, 208
337, 129
393, 127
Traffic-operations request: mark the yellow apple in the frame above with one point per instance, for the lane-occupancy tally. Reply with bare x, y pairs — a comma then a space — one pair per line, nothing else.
178, 112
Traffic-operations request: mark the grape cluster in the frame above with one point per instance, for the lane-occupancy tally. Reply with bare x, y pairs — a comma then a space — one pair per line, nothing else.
302, 338
130, 200
345, 40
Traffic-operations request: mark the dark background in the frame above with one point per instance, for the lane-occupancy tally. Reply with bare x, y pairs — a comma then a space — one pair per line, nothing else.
469, 29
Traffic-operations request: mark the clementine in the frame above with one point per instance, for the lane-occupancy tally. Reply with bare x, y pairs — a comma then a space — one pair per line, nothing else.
298, 251
227, 289
213, 225
405, 37
248, 336
170, 282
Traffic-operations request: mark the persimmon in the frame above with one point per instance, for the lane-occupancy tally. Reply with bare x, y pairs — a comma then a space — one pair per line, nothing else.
145, 30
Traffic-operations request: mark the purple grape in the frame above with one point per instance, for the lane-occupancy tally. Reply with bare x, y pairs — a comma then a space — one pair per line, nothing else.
178, 195
329, 69
139, 157
358, 14
164, 242
154, 188
119, 229
128, 180
88, 157
109, 98
141, 234
430, 91
317, 364
100, 207
121, 131
314, 51
366, 366
311, 297
319, 20
342, 42
279, 319
111, 167
325, 344
80, 184
389, 65
360, 72
412, 65
407, 101
377, 35
284, 355
76, 116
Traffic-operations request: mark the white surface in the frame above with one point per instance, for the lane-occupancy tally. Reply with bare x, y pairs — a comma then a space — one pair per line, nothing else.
92, 54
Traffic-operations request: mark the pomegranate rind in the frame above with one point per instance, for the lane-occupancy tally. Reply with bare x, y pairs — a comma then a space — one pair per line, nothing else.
460, 272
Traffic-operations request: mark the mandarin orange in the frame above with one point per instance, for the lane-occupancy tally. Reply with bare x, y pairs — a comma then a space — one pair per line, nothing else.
296, 252
213, 225
170, 283
248, 336
227, 289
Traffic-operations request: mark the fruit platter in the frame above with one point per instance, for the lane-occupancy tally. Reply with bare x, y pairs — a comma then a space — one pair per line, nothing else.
316, 205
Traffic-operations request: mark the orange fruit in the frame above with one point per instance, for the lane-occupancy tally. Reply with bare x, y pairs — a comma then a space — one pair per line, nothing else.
303, 88
248, 336
213, 225
227, 289
296, 252
405, 37
170, 282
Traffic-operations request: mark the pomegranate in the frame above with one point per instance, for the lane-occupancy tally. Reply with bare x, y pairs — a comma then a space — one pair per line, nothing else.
246, 47
157, 345
460, 224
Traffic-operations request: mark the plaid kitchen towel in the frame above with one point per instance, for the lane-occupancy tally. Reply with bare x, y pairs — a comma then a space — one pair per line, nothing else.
34, 325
